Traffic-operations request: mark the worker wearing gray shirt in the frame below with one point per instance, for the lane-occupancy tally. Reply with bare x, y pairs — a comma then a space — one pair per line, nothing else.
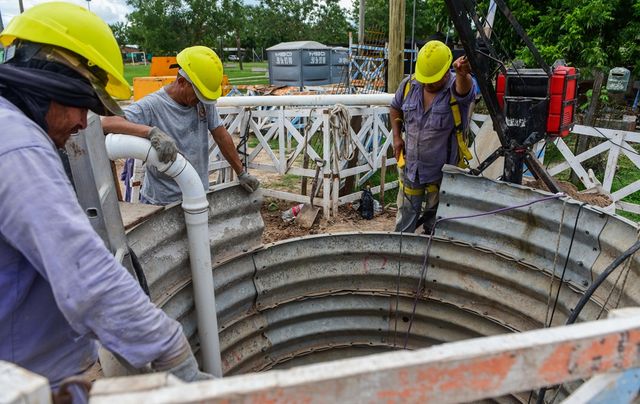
423, 107
179, 117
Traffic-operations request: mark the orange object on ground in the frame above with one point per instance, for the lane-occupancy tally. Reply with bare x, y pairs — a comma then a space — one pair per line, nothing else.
143, 86
160, 66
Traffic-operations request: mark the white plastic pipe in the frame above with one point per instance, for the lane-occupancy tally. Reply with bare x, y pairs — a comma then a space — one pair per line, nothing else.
196, 209
305, 100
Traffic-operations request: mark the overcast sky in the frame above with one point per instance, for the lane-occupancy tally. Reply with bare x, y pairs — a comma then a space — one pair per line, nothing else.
110, 10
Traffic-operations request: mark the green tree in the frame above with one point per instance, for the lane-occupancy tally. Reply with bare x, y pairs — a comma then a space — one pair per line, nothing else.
120, 32
167, 26
430, 17
330, 25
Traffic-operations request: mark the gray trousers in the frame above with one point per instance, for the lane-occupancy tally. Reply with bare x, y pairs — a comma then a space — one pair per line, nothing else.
410, 206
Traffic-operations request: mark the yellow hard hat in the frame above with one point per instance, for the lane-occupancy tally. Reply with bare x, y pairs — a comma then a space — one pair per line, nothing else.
434, 59
204, 69
76, 29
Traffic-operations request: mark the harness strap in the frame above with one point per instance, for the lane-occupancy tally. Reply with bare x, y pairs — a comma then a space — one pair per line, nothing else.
464, 155
429, 188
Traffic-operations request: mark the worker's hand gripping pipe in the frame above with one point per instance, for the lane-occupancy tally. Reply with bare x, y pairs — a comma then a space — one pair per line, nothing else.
196, 207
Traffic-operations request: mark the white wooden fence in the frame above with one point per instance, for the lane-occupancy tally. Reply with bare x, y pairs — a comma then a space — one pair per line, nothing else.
280, 130
281, 147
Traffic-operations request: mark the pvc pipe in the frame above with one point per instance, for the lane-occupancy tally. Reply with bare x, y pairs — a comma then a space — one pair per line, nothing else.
196, 214
306, 100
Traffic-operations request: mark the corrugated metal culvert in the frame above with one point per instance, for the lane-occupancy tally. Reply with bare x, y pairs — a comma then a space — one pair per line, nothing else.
326, 297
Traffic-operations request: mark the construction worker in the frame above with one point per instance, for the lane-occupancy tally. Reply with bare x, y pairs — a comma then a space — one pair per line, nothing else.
429, 106
60, 288
179, 117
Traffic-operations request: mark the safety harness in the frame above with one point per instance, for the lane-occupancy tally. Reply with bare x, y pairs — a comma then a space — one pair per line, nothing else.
464, 155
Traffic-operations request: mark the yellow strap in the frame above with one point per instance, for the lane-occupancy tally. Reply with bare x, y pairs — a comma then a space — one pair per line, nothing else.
417, 191
464, 155
407, 87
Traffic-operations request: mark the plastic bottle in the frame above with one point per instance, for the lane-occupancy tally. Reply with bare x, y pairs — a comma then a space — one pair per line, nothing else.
290, 214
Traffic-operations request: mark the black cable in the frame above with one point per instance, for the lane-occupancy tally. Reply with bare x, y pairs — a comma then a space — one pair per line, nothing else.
566, 261
137, 268
614, 143
587, 295
395, 326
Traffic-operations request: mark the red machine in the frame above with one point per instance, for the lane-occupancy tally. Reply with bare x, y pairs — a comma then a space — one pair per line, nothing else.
556, 93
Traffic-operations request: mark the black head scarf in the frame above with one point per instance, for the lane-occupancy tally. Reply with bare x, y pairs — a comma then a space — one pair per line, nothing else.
31, 85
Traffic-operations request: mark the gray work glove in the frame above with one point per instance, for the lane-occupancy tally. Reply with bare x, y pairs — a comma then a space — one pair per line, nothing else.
188, 371
248, 182
182, 364
164, 145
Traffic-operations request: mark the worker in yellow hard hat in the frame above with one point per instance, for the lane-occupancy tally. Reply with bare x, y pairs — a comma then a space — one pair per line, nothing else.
61, 290
428, 107
180, 117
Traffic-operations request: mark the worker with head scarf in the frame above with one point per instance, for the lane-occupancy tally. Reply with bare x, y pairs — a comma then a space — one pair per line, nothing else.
179, 118
61, 290
429, 107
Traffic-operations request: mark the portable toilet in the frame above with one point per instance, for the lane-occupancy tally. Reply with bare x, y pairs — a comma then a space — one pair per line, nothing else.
298, 64
339, 64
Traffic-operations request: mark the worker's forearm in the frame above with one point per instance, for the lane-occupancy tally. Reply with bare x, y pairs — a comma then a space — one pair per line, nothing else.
118, 124
396, 122
227, 148
464, 83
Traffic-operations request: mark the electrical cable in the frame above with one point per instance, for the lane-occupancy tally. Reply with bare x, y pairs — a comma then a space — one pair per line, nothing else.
603, 276
395, 325
614, 143
587, 295
425, 261
566, 261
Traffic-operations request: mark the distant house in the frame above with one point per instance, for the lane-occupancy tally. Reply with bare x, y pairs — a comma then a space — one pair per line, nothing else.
133, 54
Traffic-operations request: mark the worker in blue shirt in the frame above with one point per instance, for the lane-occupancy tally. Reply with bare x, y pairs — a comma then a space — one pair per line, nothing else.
431, 107
61, 290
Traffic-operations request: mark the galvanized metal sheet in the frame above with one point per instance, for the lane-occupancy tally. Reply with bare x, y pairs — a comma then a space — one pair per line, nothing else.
530, 233
327, 292
356, 291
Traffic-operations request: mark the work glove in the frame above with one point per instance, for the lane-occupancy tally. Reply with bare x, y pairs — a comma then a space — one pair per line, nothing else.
182, 364
188, 371
163, 144
248, 182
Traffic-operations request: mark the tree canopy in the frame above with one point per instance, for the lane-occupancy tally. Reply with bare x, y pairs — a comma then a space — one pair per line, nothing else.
586, 33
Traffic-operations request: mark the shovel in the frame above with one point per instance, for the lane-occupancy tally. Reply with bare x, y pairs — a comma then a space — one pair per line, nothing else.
308, 214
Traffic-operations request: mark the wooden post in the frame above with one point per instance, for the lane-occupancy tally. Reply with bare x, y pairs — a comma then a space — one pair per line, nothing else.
238, 49
396, 44
383, 174
582, 143
361, 23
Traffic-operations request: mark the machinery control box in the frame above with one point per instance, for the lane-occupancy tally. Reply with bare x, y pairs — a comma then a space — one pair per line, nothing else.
547, 102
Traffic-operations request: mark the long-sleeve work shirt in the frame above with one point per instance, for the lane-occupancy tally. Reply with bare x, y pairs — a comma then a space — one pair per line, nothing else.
60, 288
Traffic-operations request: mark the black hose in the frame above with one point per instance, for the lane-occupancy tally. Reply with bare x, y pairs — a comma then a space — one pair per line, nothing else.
137, 268
587, 295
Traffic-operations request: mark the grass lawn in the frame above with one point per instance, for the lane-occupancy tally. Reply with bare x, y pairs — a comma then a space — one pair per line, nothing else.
232, 70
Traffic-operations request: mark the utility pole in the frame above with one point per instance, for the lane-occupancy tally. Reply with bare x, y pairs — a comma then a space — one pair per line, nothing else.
395, 70
21, 6
361, 24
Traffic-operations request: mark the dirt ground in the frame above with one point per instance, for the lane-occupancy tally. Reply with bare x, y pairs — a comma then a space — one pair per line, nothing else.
571, 190
347, 220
